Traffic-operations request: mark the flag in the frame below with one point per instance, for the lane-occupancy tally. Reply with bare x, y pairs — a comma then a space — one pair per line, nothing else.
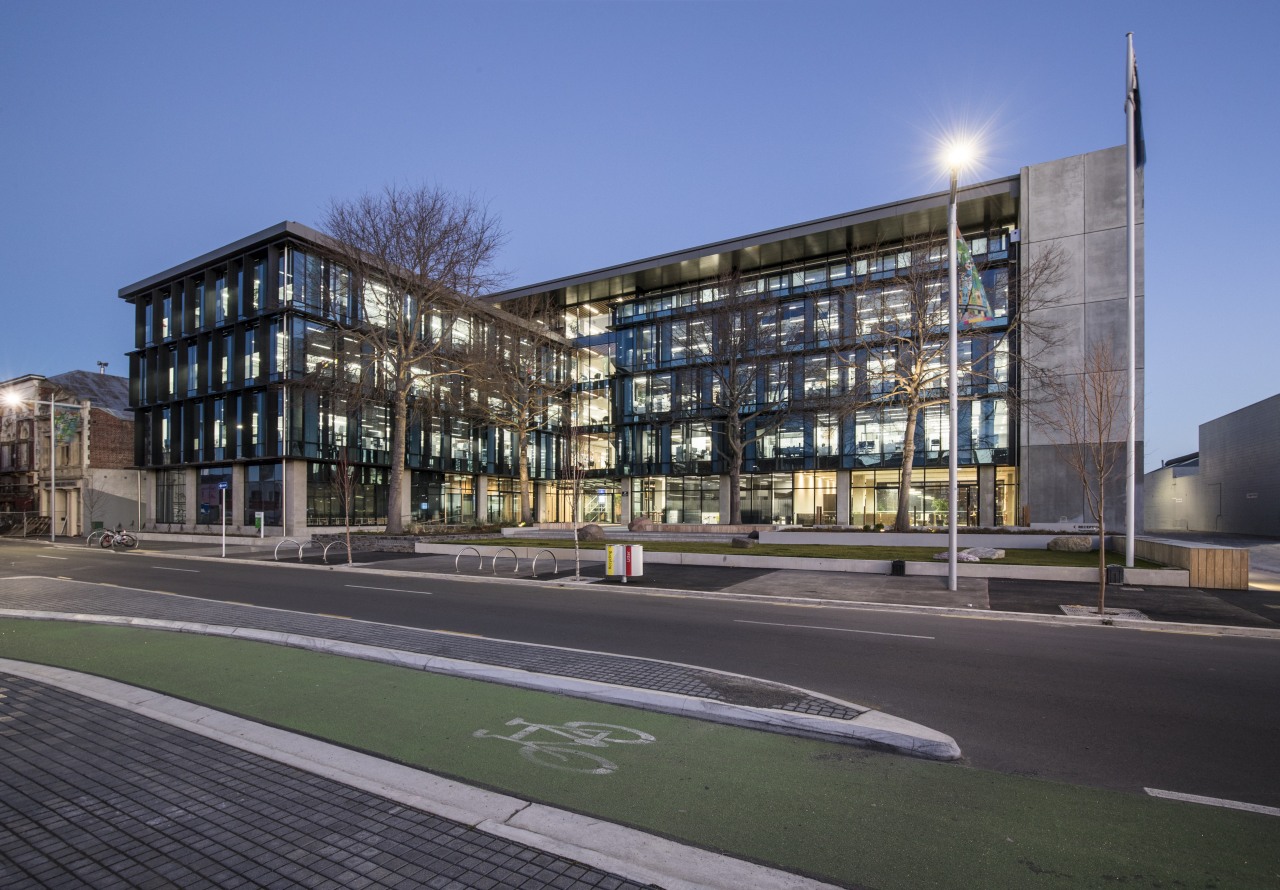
971, 296
1133, 95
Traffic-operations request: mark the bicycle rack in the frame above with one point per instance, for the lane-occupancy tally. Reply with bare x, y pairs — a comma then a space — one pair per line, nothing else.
555, 563
464, 550
494, 564
330, 544
276, 554
96, 533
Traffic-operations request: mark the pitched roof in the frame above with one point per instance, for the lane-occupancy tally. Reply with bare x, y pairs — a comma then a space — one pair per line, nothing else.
106, 391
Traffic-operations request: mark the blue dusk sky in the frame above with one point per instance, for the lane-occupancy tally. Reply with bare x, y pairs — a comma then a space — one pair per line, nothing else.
138, 135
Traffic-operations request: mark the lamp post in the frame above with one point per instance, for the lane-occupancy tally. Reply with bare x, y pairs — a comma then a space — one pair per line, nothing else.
13, 399
958, 155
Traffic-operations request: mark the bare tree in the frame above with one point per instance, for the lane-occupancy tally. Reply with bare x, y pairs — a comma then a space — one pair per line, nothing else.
895, 347
1089, 409
732, 373
417, 259
345, 483
92, 499
521, 377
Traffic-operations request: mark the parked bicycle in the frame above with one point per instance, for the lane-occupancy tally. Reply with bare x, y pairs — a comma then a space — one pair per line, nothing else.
118, 538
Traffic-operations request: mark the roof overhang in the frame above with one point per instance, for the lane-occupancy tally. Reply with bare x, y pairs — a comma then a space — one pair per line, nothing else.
989, 203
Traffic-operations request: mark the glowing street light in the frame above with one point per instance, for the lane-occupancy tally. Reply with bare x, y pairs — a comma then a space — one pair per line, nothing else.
958, 154
12, 399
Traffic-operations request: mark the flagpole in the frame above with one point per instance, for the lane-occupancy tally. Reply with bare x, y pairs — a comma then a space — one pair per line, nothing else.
952, 387
1130, 175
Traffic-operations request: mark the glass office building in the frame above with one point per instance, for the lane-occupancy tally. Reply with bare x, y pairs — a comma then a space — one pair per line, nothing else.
222, 341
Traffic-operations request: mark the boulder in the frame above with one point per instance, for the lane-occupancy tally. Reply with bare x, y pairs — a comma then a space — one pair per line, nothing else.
1072, 543
985, 552
591, 532
640, 524
961, 556
744, 543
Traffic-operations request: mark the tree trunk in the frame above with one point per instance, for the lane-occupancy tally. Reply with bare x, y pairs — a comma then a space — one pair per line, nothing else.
1102, 552
902, 521
400, 412
526, 495
735, 449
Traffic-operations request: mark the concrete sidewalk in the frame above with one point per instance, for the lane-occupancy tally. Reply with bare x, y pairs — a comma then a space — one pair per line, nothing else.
1253, 609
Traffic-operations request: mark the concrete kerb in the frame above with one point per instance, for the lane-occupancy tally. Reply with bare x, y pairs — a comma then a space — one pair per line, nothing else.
869, 728
624, 851
868, 605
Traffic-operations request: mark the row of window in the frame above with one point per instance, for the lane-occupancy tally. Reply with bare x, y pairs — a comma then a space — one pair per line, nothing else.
814, 277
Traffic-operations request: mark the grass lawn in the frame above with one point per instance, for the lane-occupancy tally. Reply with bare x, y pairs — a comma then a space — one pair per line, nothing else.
828, 551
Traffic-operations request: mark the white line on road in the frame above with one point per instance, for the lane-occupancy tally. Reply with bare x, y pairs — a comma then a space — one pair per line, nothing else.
38, 556
1215, 802
389, 589
847, 630
168, 569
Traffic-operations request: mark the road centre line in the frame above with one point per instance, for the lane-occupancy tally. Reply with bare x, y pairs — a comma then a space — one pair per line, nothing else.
1214, 802
389, 589
168, 569
847, 630
40, 556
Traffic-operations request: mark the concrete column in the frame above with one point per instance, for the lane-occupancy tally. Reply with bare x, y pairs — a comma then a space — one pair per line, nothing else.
844, 479
624, 485
482, 498
191, 488
235, 500
295, 499
986, 495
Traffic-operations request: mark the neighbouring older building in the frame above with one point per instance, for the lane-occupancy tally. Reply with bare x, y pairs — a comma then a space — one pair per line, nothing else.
224, 342
93, 476
1232, 484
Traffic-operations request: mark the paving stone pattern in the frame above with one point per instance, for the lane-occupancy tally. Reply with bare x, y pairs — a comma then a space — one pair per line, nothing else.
81, 598
95, 796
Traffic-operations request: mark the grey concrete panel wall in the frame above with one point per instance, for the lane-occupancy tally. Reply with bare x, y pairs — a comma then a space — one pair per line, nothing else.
1055, 199
1105, 199
1240, 469
1053, 492
1079, 206
1176, 500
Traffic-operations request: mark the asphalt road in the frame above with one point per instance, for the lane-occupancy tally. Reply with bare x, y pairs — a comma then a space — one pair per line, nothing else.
1105, 706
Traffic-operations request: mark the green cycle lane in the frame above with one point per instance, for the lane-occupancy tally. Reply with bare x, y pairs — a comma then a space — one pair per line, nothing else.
834, 812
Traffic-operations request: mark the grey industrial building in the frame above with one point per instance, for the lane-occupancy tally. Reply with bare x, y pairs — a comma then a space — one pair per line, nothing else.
1232, 484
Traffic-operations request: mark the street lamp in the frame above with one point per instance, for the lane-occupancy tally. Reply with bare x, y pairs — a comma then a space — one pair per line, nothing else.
14, 400
958, 154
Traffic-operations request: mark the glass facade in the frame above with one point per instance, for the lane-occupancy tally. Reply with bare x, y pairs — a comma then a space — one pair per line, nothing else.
664, 391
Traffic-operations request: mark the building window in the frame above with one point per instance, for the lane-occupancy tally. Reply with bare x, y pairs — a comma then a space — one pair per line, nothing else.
213, 486
171, 495
250, 355
262, 493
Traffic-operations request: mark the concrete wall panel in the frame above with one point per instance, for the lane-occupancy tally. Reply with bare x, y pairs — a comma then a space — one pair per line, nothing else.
1056, 199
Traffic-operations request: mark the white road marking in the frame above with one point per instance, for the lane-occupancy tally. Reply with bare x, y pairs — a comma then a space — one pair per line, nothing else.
847, 630
1214, 802
389, 589
168, 569
38, 556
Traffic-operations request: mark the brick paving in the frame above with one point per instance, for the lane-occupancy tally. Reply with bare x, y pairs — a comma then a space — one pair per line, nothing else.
98, 797
639, 673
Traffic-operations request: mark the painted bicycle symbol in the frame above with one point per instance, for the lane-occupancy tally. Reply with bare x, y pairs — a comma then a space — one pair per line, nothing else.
561, 747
